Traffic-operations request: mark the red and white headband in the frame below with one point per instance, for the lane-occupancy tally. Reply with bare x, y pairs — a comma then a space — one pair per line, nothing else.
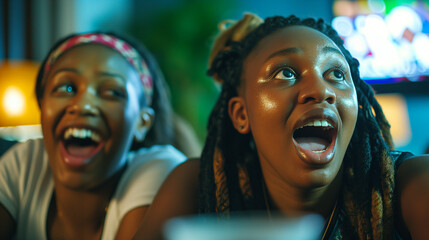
126, 50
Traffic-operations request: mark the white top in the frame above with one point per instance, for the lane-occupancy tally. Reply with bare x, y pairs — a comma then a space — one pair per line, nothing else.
27, 185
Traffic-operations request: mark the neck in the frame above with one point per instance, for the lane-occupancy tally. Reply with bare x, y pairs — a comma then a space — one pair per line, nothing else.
291, 200
80, 212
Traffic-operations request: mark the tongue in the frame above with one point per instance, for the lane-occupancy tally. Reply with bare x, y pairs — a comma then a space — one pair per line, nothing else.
80, 151
312, 143
78, 155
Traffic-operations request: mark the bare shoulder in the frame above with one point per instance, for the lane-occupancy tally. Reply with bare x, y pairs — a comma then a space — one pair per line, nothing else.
413, 186
190, 166
177, 197
184, 178
130, 222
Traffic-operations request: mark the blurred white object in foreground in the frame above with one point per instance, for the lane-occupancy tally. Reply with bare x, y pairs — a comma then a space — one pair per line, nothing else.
307, 227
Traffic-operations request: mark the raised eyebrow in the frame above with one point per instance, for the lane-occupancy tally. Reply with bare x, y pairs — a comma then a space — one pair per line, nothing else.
111, 74
328, 49
65, 70
283, 52
101, 73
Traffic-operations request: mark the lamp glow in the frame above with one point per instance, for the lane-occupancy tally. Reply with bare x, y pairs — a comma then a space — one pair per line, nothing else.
396, 112
14, 102
19, 111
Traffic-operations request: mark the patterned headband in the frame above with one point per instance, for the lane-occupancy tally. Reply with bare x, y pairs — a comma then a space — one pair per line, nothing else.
126, 50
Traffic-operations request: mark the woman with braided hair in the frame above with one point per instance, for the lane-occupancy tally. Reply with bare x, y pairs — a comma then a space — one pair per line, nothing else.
295, 130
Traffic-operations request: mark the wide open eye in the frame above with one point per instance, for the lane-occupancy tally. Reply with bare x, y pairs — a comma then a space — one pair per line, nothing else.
286, 74
335, 75
65, 90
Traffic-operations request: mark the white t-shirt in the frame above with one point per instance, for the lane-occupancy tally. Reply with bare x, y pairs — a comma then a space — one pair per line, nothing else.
27, 185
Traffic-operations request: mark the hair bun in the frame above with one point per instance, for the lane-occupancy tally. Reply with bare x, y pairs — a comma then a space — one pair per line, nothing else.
233, 31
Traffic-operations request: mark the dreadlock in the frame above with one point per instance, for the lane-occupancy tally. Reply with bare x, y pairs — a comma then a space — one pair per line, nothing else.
230, 170
162, 131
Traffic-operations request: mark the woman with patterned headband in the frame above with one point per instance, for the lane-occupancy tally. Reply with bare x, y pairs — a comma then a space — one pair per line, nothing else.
107, 130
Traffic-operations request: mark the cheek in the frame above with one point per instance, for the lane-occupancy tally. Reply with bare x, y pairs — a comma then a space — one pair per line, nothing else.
120, 116
261, 108
125, 115
268, 115
262, 104
349, 109
49, 111
273, 105
133, 106
267, 104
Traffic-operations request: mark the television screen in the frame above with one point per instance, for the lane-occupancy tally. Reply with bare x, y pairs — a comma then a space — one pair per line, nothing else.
390, 39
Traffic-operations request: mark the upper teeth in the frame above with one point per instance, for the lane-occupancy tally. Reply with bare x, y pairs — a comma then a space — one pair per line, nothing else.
81, 133
318, 123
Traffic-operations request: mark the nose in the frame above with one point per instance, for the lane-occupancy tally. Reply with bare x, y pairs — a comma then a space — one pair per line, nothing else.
84, 104
318, 90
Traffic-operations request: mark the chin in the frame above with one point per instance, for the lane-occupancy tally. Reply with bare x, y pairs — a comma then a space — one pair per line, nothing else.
80, 181
317, 178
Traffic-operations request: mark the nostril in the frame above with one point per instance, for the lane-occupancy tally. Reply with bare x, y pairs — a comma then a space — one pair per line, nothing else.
72, 109
330, 96
317, 96
310, 99
84, 110
330, 99
317, 90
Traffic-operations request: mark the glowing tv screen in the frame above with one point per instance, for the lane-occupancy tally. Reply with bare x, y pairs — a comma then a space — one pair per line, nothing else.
389, 38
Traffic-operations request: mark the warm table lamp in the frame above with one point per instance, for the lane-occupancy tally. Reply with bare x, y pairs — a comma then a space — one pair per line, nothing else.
19, 113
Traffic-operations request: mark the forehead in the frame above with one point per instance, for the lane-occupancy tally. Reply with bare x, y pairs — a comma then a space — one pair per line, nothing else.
94, 54
94, 60
304, 38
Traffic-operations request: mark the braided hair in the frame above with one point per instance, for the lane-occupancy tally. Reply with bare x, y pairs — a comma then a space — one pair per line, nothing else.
230, 170
162, 131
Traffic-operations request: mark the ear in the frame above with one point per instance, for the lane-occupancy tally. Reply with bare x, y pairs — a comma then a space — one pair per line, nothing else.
238, 114
144, 123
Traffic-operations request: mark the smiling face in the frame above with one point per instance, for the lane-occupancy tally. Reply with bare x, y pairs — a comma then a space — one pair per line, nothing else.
89, 110
299, 103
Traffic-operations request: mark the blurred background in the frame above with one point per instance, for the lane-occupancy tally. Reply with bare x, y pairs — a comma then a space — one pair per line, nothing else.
390, 38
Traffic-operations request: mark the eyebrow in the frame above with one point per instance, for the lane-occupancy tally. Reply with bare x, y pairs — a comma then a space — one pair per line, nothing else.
328, 49
287, 51
283, 52
65, 70
101, 73
110, 74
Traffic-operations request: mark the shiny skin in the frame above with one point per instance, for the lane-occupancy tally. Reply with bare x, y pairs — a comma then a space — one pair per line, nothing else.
90, 86
289, 73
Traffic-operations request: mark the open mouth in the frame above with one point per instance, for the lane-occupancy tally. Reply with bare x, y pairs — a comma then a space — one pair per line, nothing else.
316, 135
79, 145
